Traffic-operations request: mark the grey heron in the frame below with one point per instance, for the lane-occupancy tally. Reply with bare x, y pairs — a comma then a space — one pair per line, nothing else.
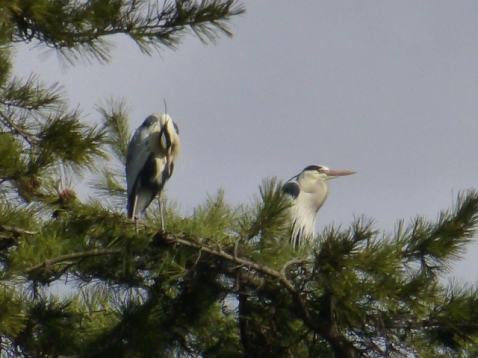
308, 191
150, 162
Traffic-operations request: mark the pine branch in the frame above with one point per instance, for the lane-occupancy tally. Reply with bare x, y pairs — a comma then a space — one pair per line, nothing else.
340, 345
16, 230
354, 296
63, 258
31, 95
29, 137
259, 277
115, 119
188, 242
78, 29
436, 244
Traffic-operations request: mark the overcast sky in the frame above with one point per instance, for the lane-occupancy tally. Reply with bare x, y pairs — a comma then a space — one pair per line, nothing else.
388, 89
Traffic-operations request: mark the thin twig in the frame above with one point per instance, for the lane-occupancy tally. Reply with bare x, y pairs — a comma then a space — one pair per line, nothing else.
78, 255
17, 230
293, 262
27, 136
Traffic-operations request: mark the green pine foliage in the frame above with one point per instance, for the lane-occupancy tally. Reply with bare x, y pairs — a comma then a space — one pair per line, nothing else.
76, 280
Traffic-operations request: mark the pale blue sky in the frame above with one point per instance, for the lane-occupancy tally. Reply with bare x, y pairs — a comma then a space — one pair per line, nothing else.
389, 89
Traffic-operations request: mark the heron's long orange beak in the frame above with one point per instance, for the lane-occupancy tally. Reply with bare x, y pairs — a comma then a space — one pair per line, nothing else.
337, 173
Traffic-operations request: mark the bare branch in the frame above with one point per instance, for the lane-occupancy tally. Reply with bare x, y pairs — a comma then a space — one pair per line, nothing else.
243, 262
30, 138
64, 258
17, 230
293, 262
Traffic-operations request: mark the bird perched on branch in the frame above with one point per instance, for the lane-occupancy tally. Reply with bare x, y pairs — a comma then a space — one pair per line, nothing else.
150, 162
308, 191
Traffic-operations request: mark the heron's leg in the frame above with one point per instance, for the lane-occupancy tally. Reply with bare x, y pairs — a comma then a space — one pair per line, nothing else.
161, 212
135, 218
136, 224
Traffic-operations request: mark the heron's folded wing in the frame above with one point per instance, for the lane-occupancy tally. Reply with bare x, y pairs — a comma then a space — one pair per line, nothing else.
138, 152
291, 188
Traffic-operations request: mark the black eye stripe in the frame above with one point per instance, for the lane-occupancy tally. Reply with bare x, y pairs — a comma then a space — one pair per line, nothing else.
314, 167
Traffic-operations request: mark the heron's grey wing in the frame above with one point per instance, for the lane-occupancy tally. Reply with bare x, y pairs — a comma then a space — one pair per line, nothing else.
138, 151
147, 186
136, 158
291, 188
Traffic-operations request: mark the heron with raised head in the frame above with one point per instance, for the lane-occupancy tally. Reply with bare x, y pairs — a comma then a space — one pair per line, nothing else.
150, 163
308, 191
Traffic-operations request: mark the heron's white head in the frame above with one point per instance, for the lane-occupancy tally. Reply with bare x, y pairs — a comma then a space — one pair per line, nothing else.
169, 139
321, 172
314, 179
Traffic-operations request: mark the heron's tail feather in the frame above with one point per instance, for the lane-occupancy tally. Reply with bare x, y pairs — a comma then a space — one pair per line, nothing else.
140, 200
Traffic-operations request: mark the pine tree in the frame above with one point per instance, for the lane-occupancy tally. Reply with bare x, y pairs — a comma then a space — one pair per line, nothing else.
222, 282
